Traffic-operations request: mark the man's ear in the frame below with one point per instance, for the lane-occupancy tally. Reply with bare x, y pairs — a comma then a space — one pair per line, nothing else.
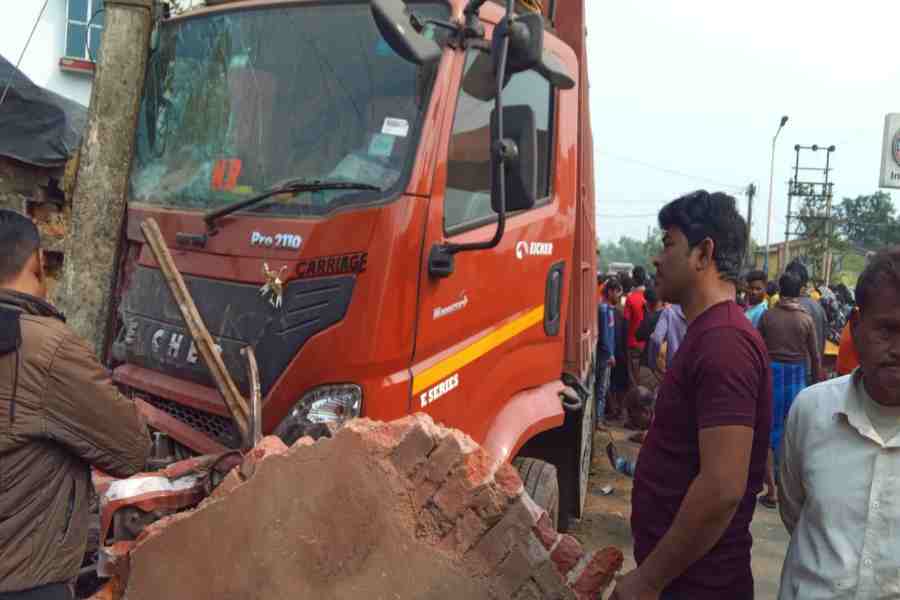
706, 249
38, 265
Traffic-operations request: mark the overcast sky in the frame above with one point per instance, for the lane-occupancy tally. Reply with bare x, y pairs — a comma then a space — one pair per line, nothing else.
698, 87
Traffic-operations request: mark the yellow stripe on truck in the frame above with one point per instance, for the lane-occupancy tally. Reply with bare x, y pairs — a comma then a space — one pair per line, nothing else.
448, 366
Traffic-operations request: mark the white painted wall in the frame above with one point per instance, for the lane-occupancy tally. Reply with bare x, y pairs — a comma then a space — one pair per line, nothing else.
41, 60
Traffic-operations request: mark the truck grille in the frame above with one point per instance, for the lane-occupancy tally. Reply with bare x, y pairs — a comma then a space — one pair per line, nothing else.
221, 429
153, 334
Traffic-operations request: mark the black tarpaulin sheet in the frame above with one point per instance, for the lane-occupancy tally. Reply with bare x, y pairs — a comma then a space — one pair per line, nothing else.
37, 126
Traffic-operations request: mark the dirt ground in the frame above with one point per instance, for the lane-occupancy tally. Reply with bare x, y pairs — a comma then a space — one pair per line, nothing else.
607, 519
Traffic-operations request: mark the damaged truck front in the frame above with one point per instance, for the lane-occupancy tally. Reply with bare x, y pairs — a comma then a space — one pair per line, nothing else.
344, 190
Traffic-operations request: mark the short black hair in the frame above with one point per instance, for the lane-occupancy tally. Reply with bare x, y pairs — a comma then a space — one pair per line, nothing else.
651, 296
700, 215
19, 240
790, 284
883, 269
639, 276
612, 284
799, 269
772, 288
757, 276
627, 283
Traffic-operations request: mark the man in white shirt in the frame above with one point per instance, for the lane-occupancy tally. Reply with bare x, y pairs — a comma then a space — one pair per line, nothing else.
841, 465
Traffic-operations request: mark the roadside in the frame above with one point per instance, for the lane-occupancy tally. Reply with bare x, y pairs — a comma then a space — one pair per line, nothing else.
607, 519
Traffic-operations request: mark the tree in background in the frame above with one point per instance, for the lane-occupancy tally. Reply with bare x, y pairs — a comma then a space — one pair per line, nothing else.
820, 234
869, 221
630, 250
179, 6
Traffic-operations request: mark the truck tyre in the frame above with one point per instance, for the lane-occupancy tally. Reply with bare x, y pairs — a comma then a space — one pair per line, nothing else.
541, 483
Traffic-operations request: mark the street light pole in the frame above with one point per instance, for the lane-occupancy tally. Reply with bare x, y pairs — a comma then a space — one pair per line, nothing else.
784, 121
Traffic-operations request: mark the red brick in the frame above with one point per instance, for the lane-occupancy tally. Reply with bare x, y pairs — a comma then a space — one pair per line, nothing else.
599, 572
489, 503
423, 492
448, 454
493, 547
566, 554
552, 584
528, 591
304, 441
545, 532
412, 450
432, 525
479, 468
452, 498
508, 480
514, 571
469, 529
269, 446
380, 438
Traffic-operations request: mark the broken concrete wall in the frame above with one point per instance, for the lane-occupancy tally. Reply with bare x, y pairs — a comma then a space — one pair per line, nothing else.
36, 192
400, 510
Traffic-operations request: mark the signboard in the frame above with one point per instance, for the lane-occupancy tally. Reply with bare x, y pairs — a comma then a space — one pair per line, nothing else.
890, 152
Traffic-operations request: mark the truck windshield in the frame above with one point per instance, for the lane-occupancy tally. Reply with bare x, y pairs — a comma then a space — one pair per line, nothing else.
237, 101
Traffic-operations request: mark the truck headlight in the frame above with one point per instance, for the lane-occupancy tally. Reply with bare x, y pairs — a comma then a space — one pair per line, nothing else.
319, 411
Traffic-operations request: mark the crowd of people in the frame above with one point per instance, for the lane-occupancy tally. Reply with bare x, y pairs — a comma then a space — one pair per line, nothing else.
726, 373
790, 316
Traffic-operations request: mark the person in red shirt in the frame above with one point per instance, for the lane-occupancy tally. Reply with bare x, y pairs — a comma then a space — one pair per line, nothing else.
635, 309
703, 461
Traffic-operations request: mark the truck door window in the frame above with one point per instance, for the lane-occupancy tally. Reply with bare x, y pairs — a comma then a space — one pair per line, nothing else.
467, 200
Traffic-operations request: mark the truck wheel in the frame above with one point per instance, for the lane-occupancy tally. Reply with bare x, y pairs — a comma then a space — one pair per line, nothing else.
541, 483
586, 451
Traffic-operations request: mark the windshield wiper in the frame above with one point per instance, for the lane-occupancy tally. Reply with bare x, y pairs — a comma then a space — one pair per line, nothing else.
292, 186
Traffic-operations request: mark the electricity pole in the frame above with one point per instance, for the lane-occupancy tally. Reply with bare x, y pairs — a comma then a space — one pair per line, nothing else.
781, 125
98, 203
751, 192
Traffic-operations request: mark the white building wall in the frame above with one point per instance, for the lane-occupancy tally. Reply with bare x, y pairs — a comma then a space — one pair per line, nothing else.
41, 60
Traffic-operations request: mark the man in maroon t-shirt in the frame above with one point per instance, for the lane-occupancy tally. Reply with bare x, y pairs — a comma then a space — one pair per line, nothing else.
703, 461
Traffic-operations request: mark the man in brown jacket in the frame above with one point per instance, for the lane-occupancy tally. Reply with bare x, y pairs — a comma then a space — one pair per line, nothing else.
790, 336
60, 414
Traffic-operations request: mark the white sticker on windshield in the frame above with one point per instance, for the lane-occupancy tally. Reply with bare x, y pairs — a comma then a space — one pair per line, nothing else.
395, 127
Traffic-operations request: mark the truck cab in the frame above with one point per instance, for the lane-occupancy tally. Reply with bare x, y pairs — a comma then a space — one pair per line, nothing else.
369, 285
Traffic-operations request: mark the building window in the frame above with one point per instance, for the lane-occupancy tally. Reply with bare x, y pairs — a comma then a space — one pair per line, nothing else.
84, 29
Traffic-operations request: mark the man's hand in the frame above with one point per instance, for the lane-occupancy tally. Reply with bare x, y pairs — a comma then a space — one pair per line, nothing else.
611, 361
632, 587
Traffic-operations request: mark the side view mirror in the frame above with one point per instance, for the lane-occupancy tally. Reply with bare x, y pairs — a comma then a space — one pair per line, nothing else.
526, 51
554, 71
392, 19
520, 137
526, 42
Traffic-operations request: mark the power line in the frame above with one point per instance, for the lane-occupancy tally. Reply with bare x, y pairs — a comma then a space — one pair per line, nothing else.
741, 188
22, 54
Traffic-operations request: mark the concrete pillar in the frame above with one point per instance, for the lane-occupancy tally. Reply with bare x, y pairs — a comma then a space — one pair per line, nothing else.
98, 204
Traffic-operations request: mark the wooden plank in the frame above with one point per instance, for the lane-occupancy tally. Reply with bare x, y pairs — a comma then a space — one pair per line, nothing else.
255, 396
206, 348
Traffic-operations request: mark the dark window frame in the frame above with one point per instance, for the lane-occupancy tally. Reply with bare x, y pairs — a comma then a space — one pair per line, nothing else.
466, 226
91, 25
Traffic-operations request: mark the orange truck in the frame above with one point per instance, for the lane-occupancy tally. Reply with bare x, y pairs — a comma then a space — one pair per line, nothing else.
343, 189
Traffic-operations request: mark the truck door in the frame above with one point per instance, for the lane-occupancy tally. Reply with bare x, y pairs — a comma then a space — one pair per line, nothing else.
495, 325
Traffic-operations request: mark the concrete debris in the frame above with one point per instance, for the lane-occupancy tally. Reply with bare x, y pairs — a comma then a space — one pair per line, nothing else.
406, 509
